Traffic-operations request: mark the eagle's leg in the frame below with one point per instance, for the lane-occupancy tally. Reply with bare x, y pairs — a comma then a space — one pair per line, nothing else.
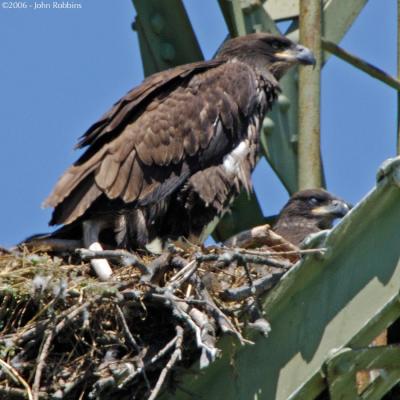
91, 232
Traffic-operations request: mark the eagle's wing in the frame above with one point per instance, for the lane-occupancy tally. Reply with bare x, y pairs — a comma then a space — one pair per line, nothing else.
137, 98
176, 123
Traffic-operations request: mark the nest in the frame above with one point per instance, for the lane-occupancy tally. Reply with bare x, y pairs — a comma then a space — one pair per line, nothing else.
65, 335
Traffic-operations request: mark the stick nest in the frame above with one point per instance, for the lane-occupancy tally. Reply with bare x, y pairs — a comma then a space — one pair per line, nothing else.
66, 335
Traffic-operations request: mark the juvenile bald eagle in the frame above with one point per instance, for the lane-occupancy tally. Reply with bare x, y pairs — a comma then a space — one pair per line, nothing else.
309, 211
170, 155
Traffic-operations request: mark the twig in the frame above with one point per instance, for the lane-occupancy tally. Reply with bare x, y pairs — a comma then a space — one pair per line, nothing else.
65, 316
69, 317
283, 253
40, 363
181, 312
121, 256
230, 256
178, 262
133, 343
183, 315
148, 363
30, 333
183, 275
128, 333
360, 64
206, 302
49, 335
70, 386
157, 268
258, 287
224, 322
176, 355
14, 373
101, 385
163, 351
11, 393
249, 277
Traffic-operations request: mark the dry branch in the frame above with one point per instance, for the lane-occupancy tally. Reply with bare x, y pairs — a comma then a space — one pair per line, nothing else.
176, 355
14, 374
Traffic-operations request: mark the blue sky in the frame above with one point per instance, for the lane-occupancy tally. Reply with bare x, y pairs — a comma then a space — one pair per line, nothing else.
60, 70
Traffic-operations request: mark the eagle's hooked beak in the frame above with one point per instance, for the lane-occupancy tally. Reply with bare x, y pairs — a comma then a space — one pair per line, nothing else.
299, 54
336, 208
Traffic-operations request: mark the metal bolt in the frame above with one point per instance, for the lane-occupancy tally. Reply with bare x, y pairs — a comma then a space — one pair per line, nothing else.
284, 102
157, 23
268, 125
168, 52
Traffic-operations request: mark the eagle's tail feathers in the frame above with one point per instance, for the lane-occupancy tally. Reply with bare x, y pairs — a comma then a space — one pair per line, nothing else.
78, 201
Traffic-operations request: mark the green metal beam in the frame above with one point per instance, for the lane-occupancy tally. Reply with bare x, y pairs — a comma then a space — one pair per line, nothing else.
381, 385
257, 19
342, 366
398, 76
232, 12
324, 302
281, 10
279, 136
338, 16
309, 168
359, 63
161, 44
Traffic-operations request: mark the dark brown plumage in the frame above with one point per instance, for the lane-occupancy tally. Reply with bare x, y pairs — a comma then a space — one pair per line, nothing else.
172, 153
309, 211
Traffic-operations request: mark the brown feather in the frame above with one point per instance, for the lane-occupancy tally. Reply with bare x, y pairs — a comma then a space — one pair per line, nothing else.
134, 183
138, 98
78, 202
107, 172
70, 180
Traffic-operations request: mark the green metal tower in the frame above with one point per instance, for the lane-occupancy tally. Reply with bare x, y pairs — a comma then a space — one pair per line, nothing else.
326, 310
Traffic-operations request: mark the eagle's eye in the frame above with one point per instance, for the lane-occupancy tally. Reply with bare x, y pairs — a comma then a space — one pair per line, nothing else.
314, 201
277, 45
